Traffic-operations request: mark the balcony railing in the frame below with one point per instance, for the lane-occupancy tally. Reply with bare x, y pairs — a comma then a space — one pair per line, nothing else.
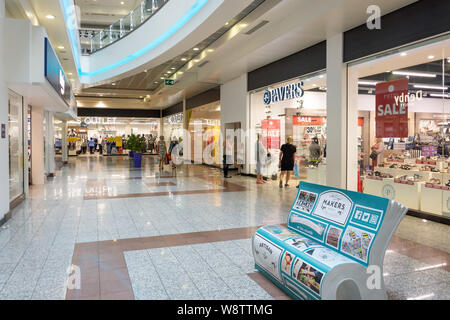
94, 40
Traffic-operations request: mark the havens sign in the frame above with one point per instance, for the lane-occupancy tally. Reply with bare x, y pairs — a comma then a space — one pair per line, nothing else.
291, 91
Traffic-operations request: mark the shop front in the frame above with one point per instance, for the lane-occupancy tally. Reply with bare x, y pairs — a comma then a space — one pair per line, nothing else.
203, 125
405, 96
16, 130
297, 109
173, 127
105, 132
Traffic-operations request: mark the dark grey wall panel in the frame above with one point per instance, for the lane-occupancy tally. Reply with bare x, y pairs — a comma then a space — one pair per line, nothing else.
201, 99
119, 113
417, 21
306, 61
177, 108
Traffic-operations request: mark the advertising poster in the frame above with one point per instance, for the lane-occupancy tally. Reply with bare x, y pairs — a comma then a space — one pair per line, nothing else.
301, 243
267, 256
333, 236
311, 227
328, 257
334, 206
392, 114
271, 132
280, 232
307, 275
357, 243
305, 201
286, 262
309, 121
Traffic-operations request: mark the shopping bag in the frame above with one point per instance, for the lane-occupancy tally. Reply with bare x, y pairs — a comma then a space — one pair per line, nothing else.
167, 159
296, 172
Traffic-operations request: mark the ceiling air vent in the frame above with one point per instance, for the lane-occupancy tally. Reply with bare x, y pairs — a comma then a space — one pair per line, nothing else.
203, 63
257, 27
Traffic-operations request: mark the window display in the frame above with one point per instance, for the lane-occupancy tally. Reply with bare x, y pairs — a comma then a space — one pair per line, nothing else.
406, 96
297, 109
16, 156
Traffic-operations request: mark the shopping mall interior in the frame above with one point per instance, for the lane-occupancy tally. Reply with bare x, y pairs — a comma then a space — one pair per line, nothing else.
194, 150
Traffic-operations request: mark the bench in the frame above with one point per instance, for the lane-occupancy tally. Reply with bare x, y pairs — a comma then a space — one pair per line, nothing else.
333, 246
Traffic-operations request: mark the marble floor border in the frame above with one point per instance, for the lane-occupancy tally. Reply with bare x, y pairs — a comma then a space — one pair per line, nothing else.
104, 272
96, 189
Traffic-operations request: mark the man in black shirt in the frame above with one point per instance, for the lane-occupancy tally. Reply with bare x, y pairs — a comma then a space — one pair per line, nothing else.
287, 161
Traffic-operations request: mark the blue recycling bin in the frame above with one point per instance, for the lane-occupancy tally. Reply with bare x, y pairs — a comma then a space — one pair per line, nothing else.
137, 159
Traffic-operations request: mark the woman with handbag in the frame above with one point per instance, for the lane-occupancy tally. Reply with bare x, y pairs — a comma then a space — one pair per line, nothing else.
287, 161
162, 153
377, 153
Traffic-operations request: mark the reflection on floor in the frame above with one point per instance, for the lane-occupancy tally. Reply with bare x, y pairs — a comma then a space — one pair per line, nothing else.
184, 234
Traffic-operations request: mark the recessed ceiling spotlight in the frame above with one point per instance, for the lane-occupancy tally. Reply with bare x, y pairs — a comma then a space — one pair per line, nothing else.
431, 57
196, 49
180, 72
403, 54
156, 82
113, 84
145, 71
227, 23
61, 47
122, 3
183, 59
162, 78
169, 72
210, 50
172, 68
50, 16
243, 25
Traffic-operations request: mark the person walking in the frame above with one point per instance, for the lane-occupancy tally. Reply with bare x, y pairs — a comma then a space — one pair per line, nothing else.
261, 154
287, 161
240, 157
162, 152
173, 144
91, 146
84, 146
227, 156
377, 153
315, 151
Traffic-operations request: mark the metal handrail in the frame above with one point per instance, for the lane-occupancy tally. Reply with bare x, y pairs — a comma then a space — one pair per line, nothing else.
93, 41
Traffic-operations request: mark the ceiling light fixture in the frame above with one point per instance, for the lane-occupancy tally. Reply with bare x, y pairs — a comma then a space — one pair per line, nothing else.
403, 54
426, 86
414, 74
368, 83
172, 68
61, 47
50, 16
183, 59
431, 57
439, 95
196, 49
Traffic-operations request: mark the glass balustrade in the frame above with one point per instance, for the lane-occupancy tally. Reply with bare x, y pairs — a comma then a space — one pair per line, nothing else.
92, 41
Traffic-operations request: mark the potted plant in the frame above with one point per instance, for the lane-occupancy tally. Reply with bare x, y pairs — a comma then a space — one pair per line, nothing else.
131, 145
136, 146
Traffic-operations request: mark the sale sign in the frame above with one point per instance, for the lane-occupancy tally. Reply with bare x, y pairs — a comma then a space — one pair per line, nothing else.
309, 121
271, 131
391, 113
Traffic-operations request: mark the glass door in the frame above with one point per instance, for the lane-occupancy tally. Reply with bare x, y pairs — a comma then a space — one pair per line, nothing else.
15, 134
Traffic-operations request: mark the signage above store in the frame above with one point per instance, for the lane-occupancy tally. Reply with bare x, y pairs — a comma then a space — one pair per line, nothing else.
176, 118
309, 121
291, 91
391, 114
54, 73
96, 120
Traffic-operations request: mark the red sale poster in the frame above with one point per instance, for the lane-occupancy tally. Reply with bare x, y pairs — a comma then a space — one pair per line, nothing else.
271, 133
392, 109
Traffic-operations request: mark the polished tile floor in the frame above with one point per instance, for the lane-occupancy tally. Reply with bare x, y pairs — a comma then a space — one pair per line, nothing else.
184, 234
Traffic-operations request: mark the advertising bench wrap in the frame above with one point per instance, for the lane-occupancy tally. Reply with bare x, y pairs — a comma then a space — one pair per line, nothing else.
331, 239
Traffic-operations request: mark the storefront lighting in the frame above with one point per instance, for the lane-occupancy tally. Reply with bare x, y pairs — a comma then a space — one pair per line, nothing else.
425, 86
368, 83
414, 74
439, 95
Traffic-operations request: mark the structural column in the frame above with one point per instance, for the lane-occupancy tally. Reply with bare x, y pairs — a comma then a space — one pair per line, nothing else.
37, 145
4, 145
336, 113
50, 144
65, 143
